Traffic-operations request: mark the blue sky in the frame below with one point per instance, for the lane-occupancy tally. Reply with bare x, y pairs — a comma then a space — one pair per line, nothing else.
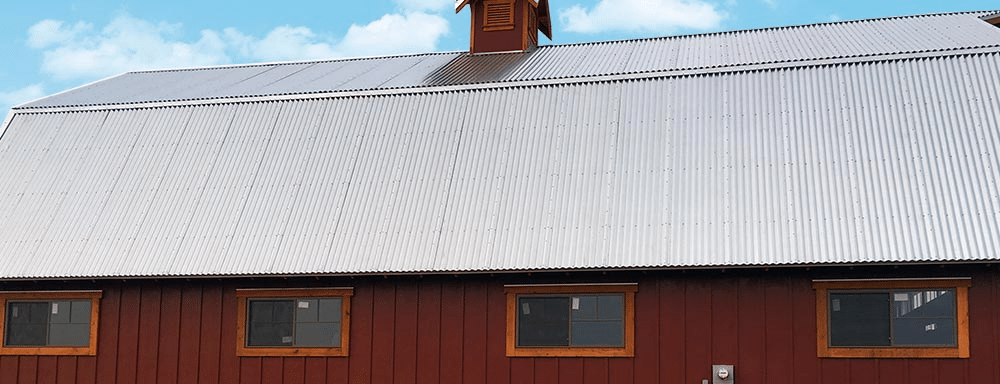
54, 45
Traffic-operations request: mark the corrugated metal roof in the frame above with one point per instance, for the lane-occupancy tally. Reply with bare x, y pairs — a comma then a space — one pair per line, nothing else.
875, 161
898, 35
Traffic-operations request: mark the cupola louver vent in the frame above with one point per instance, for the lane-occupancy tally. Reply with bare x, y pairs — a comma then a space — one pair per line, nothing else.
499, 15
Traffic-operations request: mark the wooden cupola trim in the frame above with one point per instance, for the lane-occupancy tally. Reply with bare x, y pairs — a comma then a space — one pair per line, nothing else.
992, 19
506, 25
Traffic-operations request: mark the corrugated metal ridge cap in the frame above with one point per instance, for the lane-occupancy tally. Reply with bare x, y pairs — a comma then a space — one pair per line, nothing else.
995, 49
980, 14
467, 271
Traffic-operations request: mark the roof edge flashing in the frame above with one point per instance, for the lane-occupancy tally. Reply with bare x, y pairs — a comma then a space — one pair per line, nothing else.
457, 273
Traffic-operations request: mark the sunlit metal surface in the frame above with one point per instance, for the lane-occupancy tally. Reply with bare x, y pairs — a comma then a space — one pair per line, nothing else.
889, 161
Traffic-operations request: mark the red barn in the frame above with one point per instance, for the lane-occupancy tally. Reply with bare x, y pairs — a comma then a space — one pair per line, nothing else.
807, 204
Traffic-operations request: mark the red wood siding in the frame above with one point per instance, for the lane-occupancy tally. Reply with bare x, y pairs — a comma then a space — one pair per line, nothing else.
410, 330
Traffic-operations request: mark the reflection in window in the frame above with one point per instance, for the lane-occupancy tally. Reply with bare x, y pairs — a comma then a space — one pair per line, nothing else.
892, 318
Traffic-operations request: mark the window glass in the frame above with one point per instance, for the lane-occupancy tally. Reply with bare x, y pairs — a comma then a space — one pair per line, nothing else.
27, 323
892, 318
859, 319
63, 323
924, 318
578, 320
270, 323
574, 321
293, 322
544, 321
317, 322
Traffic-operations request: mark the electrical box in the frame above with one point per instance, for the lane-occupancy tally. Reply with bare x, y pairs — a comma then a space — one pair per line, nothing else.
722, 374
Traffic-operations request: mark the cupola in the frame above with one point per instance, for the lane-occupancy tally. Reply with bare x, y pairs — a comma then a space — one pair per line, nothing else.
506, 25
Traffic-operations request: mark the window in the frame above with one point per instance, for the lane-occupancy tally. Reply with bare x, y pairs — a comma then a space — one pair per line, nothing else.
293, 322
571, 320
49, 323
892, 318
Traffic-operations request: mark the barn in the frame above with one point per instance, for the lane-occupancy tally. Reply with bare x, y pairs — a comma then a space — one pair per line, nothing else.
804, 204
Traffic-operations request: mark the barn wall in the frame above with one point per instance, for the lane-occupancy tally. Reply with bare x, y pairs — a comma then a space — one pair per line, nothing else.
451, 330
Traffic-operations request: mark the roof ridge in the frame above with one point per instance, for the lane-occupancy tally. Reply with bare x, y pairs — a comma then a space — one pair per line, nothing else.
673, 73
553, 46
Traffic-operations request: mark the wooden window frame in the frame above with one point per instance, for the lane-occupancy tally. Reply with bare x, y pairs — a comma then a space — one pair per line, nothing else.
960, 350
505, 26
626, 289
95, 306
243, 295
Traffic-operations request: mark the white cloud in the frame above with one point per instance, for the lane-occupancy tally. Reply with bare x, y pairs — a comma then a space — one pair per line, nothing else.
82, 52
833, 18
413, 32
46, 33
658, 16
282, 43
391, 34
127, 43
19, 96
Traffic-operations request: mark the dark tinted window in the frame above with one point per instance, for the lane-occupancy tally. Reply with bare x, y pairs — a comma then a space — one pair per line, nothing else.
892, 318
576, 321
859, 319
270, 323
27, 323
294, 322
543, 321
48, 323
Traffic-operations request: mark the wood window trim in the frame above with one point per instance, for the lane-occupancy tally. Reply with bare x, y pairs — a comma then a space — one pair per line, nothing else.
242, 295
89, 350
507, 24
961, 350
627, 289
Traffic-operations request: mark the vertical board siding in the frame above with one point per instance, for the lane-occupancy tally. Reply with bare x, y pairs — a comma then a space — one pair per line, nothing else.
451, 330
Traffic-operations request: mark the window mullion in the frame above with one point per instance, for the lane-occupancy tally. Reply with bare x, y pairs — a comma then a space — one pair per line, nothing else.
892, 318
569, 319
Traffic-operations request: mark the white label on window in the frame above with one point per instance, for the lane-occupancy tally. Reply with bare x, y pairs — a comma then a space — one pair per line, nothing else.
836, 305
55, 308
902, 296
576, 303
286, 340
930, 327
303, 304
525, 309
